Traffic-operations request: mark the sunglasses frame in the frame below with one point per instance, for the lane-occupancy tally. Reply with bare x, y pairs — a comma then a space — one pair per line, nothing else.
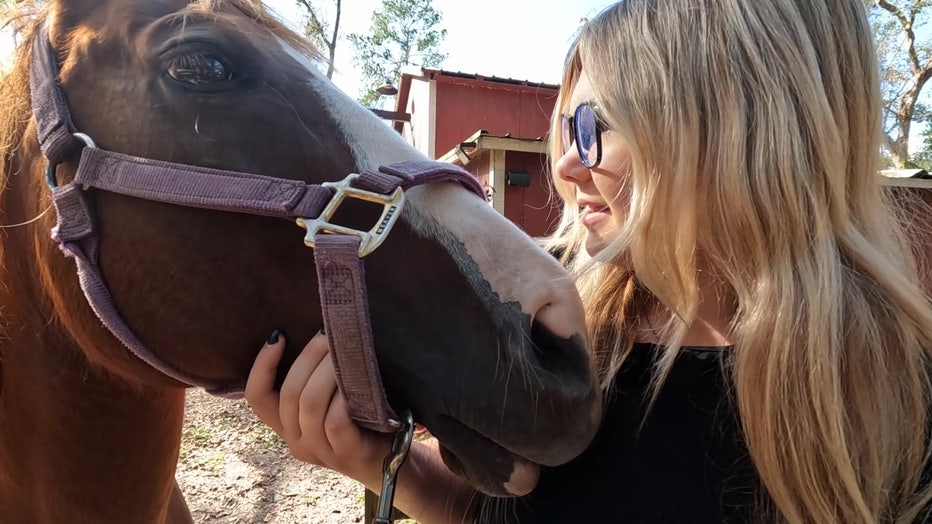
570, 123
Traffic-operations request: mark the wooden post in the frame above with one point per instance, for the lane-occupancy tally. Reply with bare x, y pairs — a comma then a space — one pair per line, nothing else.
497, 179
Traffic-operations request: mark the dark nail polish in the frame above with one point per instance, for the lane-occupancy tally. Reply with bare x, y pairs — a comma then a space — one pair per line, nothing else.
273, 338
322, 332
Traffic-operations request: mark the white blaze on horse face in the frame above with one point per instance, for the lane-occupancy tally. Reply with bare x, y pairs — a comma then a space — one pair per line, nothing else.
514, 266
373, 143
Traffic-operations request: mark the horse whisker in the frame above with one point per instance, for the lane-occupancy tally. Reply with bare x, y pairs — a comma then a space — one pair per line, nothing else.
26, 223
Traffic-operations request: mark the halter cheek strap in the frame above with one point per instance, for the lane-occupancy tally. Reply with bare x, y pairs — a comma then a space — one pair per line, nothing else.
338, 251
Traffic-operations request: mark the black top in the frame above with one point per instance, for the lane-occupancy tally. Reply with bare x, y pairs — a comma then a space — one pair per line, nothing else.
687, 463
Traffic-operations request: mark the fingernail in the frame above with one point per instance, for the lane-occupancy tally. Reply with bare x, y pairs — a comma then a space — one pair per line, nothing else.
273, 338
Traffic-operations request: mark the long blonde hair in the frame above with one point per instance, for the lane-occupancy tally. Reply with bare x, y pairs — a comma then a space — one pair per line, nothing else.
753, 130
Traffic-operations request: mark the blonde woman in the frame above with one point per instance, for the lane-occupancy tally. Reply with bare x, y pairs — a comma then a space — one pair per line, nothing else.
762, 338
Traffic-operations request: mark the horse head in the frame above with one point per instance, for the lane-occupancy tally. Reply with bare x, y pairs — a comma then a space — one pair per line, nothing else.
477, 330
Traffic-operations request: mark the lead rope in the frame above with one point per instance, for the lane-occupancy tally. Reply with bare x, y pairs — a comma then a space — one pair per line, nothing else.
393, 462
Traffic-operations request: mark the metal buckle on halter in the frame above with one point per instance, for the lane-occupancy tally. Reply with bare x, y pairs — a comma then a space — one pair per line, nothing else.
50, 167
369, 240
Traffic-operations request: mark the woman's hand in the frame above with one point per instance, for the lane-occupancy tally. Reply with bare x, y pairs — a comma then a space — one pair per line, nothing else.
310, 413
311, 416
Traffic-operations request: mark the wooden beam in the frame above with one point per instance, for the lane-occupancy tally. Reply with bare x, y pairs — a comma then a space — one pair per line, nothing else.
511, 144
459, 156
906, 182
396, 116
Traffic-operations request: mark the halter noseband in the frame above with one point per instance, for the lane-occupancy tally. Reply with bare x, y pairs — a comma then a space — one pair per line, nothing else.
338, 251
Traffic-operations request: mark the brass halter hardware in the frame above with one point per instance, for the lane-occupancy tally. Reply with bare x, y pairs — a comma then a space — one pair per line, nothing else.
369, 240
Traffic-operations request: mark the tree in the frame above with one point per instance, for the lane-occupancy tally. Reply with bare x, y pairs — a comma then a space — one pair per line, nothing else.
905, 55
403, 32
923, 158
317, 31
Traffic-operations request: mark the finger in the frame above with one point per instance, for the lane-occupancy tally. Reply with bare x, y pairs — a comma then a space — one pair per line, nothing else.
339, 423
260, 386
315, 402
356, 451
290, 398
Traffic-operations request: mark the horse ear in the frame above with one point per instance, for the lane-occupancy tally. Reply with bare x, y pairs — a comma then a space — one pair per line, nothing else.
64, 15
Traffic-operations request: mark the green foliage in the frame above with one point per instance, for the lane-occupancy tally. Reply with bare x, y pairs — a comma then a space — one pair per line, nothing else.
403, 32
923, 159
315, 28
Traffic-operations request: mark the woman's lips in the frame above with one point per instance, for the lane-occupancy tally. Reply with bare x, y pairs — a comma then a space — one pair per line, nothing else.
592, 215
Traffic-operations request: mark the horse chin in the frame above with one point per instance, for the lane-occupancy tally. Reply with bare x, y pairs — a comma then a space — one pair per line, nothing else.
489, 467
520, 477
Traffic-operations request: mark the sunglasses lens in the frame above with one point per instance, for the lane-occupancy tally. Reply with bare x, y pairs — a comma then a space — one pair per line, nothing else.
586, 135
566, 133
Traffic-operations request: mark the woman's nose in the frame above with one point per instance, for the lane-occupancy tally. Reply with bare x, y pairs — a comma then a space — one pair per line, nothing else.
570, 167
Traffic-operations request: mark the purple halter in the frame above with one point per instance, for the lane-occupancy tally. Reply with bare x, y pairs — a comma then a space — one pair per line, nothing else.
338, 251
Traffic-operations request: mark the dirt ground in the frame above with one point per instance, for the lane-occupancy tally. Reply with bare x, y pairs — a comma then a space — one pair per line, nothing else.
233, 469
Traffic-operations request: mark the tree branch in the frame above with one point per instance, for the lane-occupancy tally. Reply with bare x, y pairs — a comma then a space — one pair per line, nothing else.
332, 44
890, 8
888, 142
907, 25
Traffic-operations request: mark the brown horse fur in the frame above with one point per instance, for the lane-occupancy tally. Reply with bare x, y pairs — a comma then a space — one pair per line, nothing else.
88, 433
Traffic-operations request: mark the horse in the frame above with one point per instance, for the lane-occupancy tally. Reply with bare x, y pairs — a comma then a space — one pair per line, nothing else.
476, 330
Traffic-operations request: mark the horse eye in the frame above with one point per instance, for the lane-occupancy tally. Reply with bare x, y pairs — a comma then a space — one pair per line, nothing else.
197, 69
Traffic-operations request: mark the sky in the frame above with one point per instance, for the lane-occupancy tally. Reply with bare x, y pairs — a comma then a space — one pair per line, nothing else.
520, 39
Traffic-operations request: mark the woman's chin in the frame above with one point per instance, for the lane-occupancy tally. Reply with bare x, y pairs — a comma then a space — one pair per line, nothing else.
594, 243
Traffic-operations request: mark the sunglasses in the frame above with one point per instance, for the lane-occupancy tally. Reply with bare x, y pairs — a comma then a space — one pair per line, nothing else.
585, 129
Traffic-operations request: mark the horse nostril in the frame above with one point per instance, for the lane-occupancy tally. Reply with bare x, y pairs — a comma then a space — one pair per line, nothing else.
558, 335
561, 310
559, 356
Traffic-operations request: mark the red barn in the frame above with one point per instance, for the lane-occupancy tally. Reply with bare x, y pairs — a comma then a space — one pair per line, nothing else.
496, 128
